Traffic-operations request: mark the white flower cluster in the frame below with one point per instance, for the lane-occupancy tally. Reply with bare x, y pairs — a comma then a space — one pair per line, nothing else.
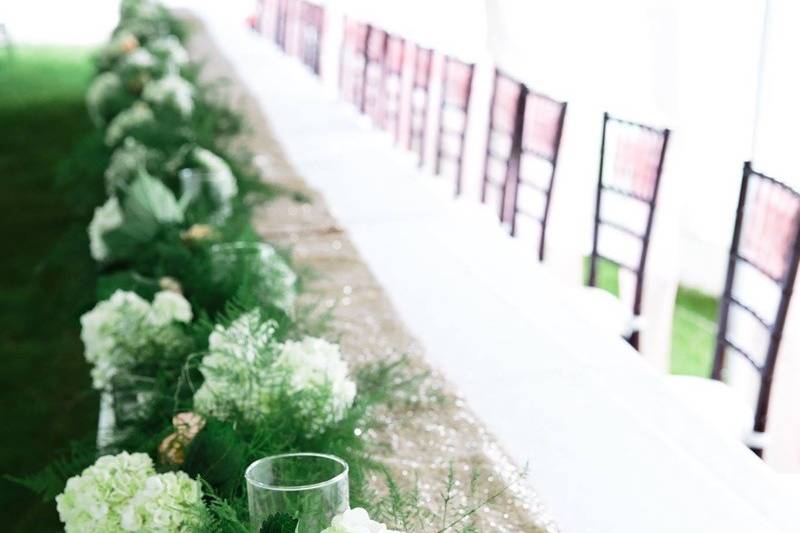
316, 364
220, 177
140, 59
169, 50
170, 90
138, 115
247, 372
122, 43
356, 521
124, 493
107, 217
115, 329
105, 88
125, 164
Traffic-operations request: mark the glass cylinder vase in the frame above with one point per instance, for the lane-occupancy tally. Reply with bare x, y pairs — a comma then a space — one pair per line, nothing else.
311, 487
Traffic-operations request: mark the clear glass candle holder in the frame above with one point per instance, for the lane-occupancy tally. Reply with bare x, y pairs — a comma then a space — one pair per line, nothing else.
312, 487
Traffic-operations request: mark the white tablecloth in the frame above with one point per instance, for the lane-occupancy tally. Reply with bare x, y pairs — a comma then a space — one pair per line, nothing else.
609, 448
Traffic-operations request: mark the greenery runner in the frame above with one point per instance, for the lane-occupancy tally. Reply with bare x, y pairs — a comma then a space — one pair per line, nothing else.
196, 340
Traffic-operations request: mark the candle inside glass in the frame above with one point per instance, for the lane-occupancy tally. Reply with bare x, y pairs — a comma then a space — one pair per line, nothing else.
308, 486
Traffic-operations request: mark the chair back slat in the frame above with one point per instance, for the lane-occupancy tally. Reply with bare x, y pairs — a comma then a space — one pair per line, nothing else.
762, 267
453, 117
419, 101
631, 164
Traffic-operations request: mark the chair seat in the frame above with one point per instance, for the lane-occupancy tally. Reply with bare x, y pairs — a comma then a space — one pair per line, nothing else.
607, 310
716, 403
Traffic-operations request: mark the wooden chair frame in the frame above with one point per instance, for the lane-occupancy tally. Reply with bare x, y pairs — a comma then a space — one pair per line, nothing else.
639, 270
312, 24
391, 71
420, 84
353, 48
519, 180
444, 104
373, 73
775, 328
515, 135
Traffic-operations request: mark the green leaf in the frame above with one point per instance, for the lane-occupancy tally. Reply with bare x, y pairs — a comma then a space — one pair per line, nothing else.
279, 523
148, 206
149, 203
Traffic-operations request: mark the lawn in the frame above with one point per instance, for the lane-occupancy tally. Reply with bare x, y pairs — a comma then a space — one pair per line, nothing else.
693, 323
45, 379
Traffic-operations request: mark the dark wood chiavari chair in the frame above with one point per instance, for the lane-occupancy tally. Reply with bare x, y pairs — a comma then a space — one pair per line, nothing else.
521, 154
503, 140
532, 188
453, 117
419, 101
764, 256
312, 18
281, 23
393, 84
631, 164
352, 62
372, 103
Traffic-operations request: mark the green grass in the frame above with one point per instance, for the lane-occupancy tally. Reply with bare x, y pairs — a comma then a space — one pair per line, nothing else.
694, 331
44, 384
693, 323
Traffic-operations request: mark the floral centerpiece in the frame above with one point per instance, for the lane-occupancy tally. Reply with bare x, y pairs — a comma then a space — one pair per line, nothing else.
124, 493
127, 330
247, 373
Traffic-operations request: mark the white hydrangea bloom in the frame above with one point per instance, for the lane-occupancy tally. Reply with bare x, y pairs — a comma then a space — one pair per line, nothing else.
170, 50
141, 59
169, 306
315, 363
356, 521
167, 503
106, 218
139, 114
125, 164
123, 493
246, 371
220, 177
170, 90
113, 330
106, 86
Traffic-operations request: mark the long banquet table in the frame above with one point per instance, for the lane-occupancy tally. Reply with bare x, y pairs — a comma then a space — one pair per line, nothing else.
608, 448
